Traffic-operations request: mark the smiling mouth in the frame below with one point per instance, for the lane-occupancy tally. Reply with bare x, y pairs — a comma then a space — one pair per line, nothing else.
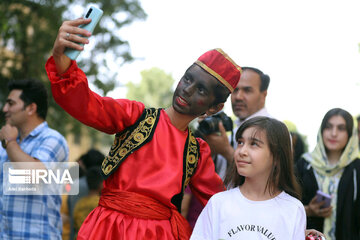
242, 162
181, 101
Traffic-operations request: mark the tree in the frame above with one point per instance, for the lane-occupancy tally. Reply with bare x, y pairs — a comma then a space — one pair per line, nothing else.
28, 31
154, 90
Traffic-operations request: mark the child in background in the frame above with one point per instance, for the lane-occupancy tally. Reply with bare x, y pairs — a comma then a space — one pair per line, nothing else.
264, 201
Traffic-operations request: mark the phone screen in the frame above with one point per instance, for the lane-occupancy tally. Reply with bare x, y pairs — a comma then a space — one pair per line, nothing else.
320, 196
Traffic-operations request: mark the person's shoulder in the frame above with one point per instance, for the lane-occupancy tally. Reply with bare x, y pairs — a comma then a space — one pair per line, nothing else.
47, 131
355, 164
357, 161
202, 142
203, 145
291, 201
52, 137
225, 195
53, 132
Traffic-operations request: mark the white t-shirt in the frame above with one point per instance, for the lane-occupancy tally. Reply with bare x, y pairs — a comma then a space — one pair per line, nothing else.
229, 215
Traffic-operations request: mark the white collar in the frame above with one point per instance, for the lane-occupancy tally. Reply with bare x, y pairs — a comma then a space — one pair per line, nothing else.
262, 112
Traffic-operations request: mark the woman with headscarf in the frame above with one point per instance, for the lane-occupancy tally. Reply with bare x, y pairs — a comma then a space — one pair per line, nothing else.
334, 169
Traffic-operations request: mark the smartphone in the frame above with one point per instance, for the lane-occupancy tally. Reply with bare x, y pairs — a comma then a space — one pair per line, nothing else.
95, 14
320, 196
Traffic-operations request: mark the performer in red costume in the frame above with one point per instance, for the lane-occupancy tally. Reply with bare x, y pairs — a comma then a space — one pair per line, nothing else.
154, 155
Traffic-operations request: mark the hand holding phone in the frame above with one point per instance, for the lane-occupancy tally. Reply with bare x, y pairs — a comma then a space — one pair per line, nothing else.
95, 14
320, 196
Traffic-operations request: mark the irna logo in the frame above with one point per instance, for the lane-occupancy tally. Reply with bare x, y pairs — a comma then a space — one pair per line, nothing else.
40, 178
36, 176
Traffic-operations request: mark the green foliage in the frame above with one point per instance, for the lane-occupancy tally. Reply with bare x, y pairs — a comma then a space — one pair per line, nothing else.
154, 90
28, 29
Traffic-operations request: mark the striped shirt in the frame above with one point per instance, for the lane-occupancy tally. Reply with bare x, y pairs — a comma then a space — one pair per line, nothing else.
33, 216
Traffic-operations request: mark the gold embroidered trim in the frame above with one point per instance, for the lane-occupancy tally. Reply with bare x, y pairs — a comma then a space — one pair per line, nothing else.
192, 157
127, 142
130, 140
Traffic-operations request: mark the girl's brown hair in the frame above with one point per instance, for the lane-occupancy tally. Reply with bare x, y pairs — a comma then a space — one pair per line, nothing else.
282, 175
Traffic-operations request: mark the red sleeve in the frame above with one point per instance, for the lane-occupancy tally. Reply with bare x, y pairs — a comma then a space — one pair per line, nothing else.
205, 182
71, 91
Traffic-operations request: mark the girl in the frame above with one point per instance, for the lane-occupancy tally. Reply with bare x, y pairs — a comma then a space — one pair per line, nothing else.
264, 201
333, 168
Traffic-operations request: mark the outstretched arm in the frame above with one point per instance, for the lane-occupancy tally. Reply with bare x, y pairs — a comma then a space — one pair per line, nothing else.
70, 88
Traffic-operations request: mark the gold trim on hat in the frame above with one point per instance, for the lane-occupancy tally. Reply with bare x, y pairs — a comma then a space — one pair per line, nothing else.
215, 74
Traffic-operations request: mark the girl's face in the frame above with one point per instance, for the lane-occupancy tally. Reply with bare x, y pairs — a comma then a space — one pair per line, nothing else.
252, 157
334, 135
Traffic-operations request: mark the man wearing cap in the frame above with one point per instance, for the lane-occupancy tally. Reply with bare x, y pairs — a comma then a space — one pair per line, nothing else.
154, 155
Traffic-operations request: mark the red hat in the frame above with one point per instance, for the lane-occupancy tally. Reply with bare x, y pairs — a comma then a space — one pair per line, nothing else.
221, 66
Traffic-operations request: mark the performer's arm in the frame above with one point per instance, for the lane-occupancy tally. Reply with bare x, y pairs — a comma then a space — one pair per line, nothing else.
71, 91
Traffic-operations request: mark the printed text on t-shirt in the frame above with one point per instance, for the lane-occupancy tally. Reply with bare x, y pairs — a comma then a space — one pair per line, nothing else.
252, 228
